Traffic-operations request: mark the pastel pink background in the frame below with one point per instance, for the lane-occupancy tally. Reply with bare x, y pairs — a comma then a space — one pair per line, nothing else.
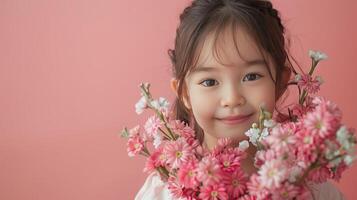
69, 76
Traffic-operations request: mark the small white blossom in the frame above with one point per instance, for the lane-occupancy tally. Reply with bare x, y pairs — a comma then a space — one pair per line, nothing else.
298, 77
317, 55
320, 80
157, 140
343, 137
253, 134
243, 145
140, 105
160, 104
295, 172
348, 159
263, 134
335, 162
269, 123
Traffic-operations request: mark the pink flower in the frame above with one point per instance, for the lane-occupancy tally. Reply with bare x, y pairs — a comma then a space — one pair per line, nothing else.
187, 174
209, 171
318, 123
236, 183
154, 161
286, 191
152, 126
175, 188
177, 152
337, 173
256, 188
328, 106
134, 131
179, 191
282, 138
135, 145
262, 156
182, 129
310, 85
247, 197
320, 175
229, 162
272, 173
213, 192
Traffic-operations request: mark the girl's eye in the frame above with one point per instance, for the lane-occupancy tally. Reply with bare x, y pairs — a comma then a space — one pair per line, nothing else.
208, 82
252, 77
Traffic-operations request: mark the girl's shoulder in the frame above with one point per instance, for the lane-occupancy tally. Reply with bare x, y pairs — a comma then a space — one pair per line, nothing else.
154, 188
326, 191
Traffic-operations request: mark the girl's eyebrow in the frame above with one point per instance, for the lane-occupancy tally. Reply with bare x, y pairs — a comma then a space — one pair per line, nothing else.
201, 68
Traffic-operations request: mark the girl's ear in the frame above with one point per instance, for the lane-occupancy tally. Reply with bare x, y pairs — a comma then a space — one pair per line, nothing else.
174, 83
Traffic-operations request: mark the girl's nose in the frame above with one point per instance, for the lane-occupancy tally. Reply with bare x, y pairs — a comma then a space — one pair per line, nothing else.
231, 97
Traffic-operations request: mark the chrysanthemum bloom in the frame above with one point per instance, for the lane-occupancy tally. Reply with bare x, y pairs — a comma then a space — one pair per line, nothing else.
236, 183
181, 128
264, 155
247, 197
286, 191
187, 174
319, 123
272, 173
135, 145
154, 161
256, 188
319, 175
177, 152
209, 171
152, 126
229, 161
175, 188
213, 192
282, 138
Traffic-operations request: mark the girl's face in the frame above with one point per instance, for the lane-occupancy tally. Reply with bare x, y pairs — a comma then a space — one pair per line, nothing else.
237, 88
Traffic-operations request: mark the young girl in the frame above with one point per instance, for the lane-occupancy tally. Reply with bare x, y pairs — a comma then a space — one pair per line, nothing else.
230, 57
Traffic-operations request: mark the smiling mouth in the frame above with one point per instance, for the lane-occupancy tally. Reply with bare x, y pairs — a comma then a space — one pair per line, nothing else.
235, 119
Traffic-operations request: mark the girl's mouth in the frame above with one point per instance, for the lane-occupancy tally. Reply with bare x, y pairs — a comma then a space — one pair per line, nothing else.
232, 120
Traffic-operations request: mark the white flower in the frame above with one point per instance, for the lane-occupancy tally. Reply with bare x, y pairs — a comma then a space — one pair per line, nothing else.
295, 172
243, 145
320, 80
343, 137
317, 55
269, 123
263, 134
253, 134
140, 105
161, 104
348, 159
272, 173
298, 77
157, 140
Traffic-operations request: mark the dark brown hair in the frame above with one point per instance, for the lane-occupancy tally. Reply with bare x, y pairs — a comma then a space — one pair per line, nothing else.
259, 19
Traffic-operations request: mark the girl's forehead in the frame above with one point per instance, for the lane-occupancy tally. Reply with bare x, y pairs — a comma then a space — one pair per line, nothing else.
229, 48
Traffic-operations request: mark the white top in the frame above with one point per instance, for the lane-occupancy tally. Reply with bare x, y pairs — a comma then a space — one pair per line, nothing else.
155, 189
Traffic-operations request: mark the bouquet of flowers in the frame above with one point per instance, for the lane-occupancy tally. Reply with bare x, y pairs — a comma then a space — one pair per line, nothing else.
311, 146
